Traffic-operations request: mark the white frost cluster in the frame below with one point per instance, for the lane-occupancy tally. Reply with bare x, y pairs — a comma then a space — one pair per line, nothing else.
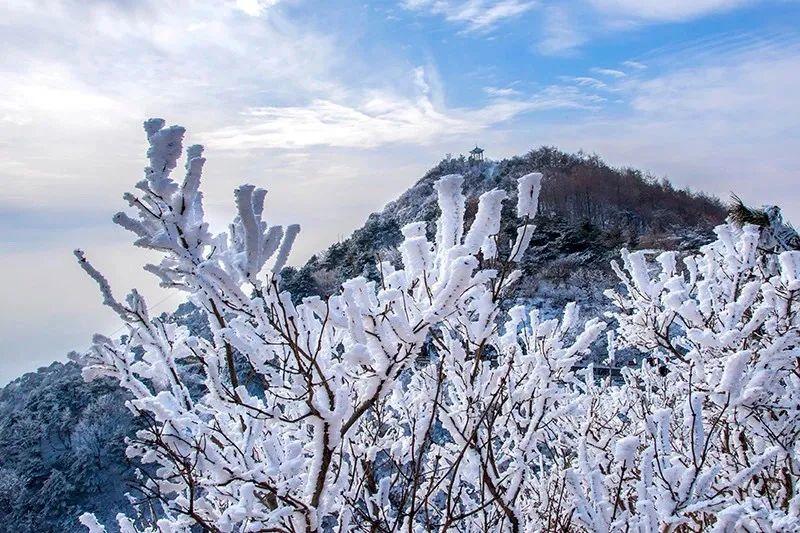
530, 185
414, 402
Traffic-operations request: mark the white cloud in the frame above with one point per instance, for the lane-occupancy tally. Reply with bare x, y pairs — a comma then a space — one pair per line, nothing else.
567, 26
164, 52
80, 78
753, 83
377, 121
610, 72
383, 118
255, 8
586, 81
476, 15
49, 90
634, 65
560, 34
664, 11
501, 92
420, 82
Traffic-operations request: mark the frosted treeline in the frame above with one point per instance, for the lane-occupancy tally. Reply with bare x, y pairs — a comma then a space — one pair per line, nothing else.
415, 403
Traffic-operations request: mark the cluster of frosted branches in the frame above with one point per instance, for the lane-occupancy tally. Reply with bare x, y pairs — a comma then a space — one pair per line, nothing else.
705, 434
414, 403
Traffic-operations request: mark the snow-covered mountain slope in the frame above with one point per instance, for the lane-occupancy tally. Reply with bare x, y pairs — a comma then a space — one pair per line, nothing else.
62, 450
61, 439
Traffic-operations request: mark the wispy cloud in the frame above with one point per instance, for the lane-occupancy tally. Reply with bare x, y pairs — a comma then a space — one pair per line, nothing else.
664, 11
610, 72
121, 65
635, 65
474, 15
559, 32
586, 81
383, 117
567, 26
501, 91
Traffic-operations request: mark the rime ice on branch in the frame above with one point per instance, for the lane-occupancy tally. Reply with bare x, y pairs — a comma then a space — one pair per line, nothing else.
303, 449
416, 403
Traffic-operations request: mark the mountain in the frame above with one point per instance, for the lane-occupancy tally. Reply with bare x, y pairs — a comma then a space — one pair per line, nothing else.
62, 446
62, 449
587, 212
62, 439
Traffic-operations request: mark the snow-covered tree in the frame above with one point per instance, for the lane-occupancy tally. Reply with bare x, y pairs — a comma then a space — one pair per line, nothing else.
416, 403
704, 435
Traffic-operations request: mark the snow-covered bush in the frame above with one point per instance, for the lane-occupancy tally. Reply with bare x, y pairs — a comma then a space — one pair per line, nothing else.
705, 434
415, 403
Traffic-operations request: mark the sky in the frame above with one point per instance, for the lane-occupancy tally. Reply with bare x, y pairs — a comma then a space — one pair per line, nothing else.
336, 107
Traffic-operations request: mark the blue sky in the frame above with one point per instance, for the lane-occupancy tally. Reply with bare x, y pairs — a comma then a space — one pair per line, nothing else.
337, 107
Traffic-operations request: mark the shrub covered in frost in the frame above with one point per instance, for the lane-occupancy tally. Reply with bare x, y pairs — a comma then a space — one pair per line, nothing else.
413, 402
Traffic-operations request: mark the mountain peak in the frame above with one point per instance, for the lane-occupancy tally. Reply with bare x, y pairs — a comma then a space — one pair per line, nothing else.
586, 206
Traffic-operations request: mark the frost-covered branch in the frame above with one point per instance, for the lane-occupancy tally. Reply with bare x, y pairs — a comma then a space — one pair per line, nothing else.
416, 402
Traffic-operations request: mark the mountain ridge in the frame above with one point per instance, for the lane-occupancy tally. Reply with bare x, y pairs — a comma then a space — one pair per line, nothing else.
583, 200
